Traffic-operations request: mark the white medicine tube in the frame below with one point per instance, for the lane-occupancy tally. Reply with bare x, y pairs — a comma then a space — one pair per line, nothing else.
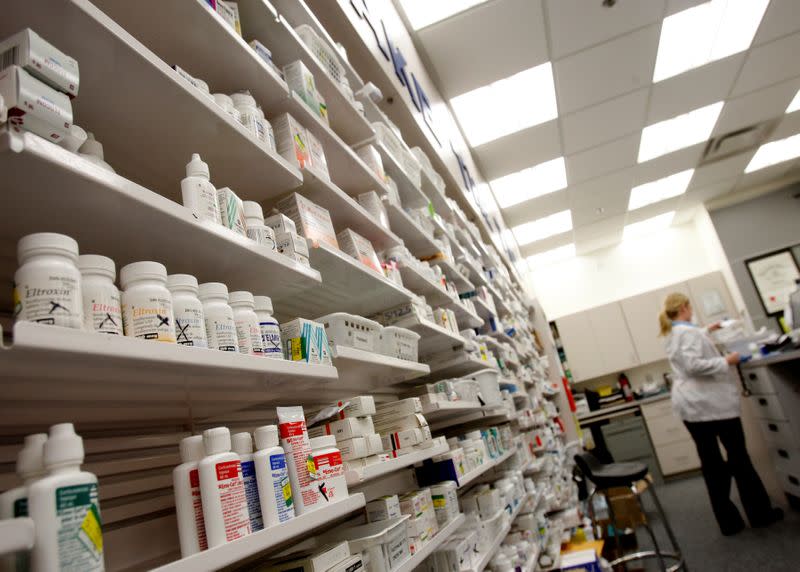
190, 325
146, 302
218, 315
256, 229
269, 328
274, 488
222, 489
198, 193
243, 446
188, 505
248, 332
101, 302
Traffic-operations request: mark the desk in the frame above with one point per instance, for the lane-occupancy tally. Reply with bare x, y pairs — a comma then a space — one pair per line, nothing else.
627, 408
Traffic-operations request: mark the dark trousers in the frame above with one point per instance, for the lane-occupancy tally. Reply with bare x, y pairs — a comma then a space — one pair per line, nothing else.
718, 473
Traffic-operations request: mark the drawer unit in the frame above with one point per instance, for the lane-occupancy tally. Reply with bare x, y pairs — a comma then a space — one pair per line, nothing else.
777, 433
667, 429
678, 458
657, 409
787, 461
627, 440
759, 381
791, 483
768, 407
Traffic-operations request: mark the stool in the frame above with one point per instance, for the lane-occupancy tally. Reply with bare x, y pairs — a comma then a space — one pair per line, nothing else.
607, 475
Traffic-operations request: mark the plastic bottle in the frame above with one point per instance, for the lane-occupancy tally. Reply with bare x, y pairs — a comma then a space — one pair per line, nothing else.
245, 104
190, 325
101, 304
248, 332
218, 315
222, 489
188, 505
270, 132
328, 472
65, 509
198, 193
226, 103
274, 488
243, 446
256, 229
92, 150
269, 327
146, 303
47, 284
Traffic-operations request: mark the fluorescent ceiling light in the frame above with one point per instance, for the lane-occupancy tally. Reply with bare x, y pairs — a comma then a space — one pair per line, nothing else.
529, 232
648, 226
552, 256
706, 33
679, 132
530, 183
422, 13
508, 105
774, 152
795, 104
660, 190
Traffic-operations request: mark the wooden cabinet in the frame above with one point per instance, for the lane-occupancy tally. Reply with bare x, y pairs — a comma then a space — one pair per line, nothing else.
576, 336
674, 447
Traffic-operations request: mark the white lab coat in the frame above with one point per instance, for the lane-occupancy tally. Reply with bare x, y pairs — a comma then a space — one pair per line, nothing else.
704, 388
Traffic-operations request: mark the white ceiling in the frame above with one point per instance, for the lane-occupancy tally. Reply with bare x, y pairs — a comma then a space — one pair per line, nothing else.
603, 60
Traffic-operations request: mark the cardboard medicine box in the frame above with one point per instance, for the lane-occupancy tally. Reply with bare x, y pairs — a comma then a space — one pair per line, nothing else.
312, 221
41, 59
359, 248
305, 340
35, 106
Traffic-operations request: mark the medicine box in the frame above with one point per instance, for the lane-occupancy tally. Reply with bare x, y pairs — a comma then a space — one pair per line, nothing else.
351, 331
312, 221
301, 81
231, 211
35, 106
399, 343
384, 544
359, 248
280, 223
374, 444
319, 164
359, 406
320, 560
580, 561
38, 57
352, 564
355, 448
344, 428
388, 412
383, 508
405, 439
305, 340
413, 421
361, 464
415, 502
291, 140
373, 160
374, 206
293, 246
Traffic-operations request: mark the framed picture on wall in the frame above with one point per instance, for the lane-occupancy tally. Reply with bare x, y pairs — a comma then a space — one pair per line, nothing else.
774, 277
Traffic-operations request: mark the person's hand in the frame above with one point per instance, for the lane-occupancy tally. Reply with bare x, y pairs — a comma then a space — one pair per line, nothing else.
714, 327
733, 358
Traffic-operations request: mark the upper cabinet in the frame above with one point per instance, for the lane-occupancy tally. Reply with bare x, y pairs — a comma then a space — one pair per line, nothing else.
711, 299
578, 341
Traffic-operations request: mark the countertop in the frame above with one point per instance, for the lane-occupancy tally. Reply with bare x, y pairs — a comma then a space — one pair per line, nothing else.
619, 410
772, 359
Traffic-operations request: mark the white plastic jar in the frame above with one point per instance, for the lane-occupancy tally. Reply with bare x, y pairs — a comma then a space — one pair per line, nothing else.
226, 103
220, 326
245, 104
328, 470
268, 130
256, 229
190, 325
146, 303
102, 310
47, 284
244, 316
269, 328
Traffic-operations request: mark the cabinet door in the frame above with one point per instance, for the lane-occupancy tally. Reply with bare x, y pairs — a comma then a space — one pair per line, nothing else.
579, 346
612, 338
710, 298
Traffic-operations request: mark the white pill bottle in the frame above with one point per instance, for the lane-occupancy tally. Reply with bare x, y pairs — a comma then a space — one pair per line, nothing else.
146, 303
220, 325
188, 505
248, 332
190, 325
269, 327
102, 310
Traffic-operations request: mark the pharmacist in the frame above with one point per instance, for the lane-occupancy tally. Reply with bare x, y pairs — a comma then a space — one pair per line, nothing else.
706, 397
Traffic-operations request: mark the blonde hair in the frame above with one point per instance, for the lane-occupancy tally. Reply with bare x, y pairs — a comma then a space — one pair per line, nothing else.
672, 307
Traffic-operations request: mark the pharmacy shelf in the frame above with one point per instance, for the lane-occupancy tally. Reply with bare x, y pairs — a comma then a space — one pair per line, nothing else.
437, 199
417, 240
465, 317
483, 309
441, 537
471, 476
240, 551
499, 300
457, 366
149, 119
487, 556
110, 215
378, 470
410, 194
368, 371
433, 337
485, 415
454, 275
438, 413
502, 337
435, 294
347, 286
476, 274
441, 228
50, 368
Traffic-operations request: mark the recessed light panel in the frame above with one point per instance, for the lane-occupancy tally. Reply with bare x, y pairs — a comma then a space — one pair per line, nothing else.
706, 33
530, 183
508, 105
539, 229
422, 13
648, 226
660, 190
552, 256
795, 104
774, 152
679, 132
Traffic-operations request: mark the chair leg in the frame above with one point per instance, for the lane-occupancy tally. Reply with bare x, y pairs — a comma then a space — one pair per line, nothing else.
592, 517
617, 543
668, 528
652, 534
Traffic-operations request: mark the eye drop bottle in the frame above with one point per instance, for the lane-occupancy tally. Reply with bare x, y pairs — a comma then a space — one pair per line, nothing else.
198, 194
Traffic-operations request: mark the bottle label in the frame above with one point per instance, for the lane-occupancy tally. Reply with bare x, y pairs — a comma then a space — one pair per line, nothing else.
328, 475
53, 299
101, 311
233, 499
251, 492
249, 335
281, 487
271, 339
190, 328
197, 505
202, 199
222, 334
150, 320
80, 535
262, 235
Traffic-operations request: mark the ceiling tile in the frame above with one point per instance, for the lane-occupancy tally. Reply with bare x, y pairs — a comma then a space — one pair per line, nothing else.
696, 88
609, 193
653, 210
768, 64
601, 234
706, 193
602, 159
538, 207
519, 150
788, 126
607, 70
763, 176
684, 214
675, 6
578, 24
782, 17
669, 164
604, 122
486, 43
756, 107
724, 169
545, 244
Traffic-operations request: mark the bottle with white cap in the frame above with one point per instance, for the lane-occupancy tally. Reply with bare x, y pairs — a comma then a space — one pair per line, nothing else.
47, 284
222, 491
146, 303
269, 328
101, 303
218, 315
245, 104
92, 150
243, 446
248, 332
190, 325
188, 505
272, 475
65, 509
256, 229
198, 193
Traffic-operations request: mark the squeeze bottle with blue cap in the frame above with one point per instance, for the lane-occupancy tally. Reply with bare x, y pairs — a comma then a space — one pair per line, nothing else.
199, 195
188, 505
274, 487
65, 509
243, 446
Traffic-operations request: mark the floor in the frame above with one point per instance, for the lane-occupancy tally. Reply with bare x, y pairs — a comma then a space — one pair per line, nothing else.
773, 549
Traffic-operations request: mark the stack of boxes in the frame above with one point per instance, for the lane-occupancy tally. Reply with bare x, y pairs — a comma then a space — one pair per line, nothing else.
333, 557
403, 427
422, 523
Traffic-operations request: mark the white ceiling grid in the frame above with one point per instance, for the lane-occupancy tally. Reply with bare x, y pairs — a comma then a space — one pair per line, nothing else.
603, 61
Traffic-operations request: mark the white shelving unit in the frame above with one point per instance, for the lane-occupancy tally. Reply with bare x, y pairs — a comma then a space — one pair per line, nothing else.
434, 293
458, 365
487, 556
370, 371
483, 309
471, 476
434, 338
410, 193
416, 239
453, 275
360, 478
441, 537
465, 317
